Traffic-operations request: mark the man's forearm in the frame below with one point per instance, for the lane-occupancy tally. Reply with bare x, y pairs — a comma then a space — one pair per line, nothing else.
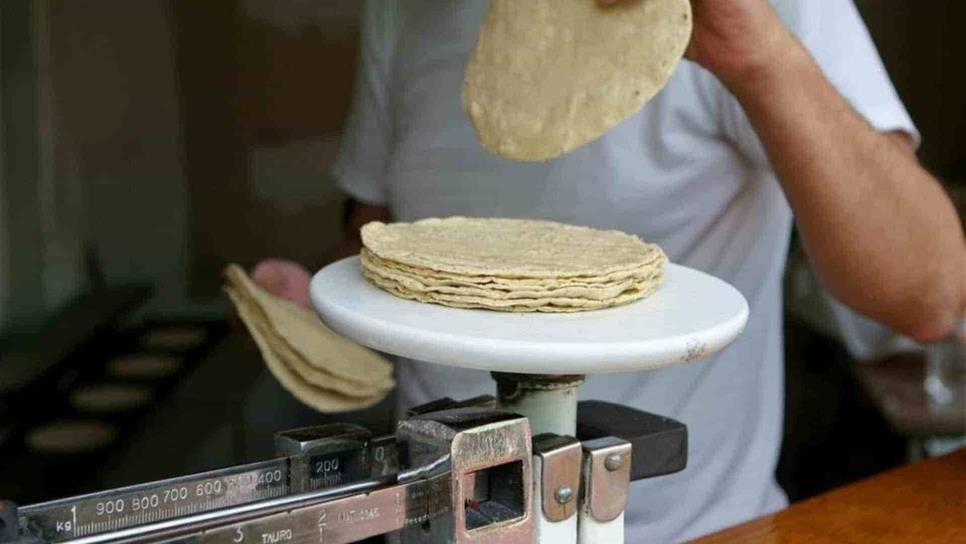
884, 237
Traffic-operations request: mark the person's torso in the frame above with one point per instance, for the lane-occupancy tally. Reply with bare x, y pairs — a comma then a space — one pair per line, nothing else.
669, 175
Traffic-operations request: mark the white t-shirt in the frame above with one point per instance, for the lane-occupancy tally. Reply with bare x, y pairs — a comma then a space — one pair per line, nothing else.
688, 172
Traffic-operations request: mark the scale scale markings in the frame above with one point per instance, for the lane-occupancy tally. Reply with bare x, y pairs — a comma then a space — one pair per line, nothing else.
343, 520
88, 515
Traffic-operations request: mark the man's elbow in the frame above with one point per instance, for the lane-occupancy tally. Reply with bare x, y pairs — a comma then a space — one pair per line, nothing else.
931, 329
935, 313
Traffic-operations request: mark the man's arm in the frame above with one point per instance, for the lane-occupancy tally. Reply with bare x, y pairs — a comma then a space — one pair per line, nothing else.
884, 237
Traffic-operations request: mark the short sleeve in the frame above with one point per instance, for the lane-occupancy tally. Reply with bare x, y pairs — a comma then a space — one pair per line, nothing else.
360, 168
838, 40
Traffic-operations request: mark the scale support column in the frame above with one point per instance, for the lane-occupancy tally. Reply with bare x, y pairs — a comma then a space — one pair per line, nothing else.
548, 401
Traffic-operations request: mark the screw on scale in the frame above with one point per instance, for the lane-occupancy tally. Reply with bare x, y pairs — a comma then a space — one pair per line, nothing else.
613, 462
564, 494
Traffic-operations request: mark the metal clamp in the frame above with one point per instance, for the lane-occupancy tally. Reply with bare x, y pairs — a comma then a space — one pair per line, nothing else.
606, 477
559, 458
490, 460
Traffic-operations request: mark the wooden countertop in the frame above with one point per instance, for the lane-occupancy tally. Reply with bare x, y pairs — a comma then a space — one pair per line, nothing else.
922, 503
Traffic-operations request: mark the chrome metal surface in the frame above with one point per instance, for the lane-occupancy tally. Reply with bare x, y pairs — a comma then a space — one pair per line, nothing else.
613, 461
117, 509
192, 526
383, 456
325, 455
347, 519
564, 494
605, 490
470, 482
561, 461
490, 455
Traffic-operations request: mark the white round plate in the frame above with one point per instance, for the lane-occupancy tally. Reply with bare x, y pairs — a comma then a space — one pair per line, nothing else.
692, 315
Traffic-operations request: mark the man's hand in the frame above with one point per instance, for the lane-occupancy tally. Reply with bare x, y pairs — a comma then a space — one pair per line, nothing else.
735, 38
284, 279
290, 280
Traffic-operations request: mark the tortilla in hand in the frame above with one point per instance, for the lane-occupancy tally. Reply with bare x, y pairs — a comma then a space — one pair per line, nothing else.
320, 368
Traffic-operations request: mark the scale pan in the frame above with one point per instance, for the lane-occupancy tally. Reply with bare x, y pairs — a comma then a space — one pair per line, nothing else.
691, 316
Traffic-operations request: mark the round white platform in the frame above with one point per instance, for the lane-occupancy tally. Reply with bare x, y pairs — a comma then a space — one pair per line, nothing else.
692, 315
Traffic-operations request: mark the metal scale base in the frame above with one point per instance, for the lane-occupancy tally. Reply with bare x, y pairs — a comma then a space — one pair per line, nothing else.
539, 360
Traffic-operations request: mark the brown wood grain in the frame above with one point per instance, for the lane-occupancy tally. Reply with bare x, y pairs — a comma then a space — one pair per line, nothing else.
922, 503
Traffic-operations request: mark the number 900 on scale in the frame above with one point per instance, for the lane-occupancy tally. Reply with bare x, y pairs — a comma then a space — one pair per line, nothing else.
172, 495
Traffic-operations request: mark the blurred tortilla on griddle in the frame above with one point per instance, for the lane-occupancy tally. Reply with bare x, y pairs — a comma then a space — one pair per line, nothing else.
71, 436
111, 397
144, 366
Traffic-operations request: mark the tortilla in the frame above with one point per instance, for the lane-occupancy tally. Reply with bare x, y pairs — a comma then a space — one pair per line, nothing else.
319, 345
320, 368
111, 397
549, 305
509, 248
510, 283
144, 366
71, 436
323, 400
547, 76
174, 337
511, 265
502, 294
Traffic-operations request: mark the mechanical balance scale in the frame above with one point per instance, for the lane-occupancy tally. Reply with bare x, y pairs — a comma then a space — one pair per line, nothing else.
531, 465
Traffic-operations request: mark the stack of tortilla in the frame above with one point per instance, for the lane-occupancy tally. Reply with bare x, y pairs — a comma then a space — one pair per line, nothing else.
510, 265
319, 367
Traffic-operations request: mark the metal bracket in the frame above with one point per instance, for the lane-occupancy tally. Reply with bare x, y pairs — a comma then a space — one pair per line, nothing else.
560, 458
556, 488
447, 403
490, 457
606, 472
659, 444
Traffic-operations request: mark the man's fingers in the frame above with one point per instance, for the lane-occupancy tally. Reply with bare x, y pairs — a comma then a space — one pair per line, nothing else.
284, 279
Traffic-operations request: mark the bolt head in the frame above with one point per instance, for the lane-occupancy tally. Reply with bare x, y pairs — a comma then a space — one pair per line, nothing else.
613, 461
564, 494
